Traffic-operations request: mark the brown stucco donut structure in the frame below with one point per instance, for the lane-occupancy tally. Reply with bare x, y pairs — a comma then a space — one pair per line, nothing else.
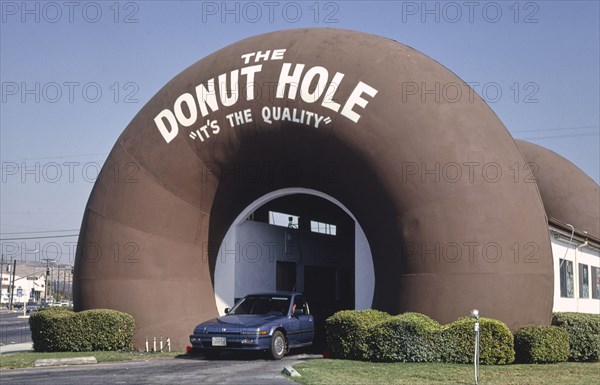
423, 164
569, 195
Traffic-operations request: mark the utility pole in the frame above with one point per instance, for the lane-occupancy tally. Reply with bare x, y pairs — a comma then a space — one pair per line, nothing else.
57, 284
12, 285
64, 289
1, 272
46, 280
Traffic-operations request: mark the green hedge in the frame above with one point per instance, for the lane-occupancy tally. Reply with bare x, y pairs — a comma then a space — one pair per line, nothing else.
409, 337
536, 344
59, 330
496, 342
412, 337
56, 308
348, 333
584, 334
52, 330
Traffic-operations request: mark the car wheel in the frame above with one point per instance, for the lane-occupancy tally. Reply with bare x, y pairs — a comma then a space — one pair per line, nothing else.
278, 345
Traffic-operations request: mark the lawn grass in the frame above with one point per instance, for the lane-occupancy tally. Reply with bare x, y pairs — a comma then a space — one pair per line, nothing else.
27, 359
343, 372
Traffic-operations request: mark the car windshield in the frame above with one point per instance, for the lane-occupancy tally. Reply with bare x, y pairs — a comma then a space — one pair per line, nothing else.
262, 304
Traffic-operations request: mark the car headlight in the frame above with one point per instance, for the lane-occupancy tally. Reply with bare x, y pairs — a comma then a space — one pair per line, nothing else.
250, 331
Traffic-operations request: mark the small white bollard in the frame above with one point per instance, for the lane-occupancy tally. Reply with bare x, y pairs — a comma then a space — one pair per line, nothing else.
161, 344
475, 314
153, 344
146, 344
168, 344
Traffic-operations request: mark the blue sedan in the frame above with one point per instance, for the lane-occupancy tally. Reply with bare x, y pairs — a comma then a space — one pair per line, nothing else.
273, 322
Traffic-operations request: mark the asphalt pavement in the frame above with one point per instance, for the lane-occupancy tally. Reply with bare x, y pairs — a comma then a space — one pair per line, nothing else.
243, 368
14, 331
182, 369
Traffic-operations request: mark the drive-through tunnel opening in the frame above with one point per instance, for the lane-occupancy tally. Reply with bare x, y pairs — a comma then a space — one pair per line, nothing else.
297, 239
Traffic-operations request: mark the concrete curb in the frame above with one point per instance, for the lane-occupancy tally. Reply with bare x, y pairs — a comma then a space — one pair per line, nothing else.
65, 361
290, 371
15, 348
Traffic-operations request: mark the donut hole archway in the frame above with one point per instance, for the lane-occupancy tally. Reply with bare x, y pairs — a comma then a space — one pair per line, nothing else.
254, 256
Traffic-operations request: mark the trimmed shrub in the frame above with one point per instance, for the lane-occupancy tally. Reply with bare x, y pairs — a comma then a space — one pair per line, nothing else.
536, 344
53, 330
409, 337
584, 334
457, 342
348, 333
56, 308
56, 330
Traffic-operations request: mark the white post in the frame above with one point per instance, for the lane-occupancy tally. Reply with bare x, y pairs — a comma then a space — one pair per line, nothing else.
475, 314
146, 344
153, 344
161, 344
476, 360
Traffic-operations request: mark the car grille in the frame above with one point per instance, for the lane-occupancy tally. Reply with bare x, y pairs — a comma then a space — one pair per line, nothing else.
226, 333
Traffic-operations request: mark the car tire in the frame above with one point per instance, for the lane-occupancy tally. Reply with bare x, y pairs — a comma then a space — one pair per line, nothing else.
278, 345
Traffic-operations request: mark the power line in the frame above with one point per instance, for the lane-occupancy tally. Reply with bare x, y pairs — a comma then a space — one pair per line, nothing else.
51, 236
24, 227
556, 129
38, 232
55, 157
562, 136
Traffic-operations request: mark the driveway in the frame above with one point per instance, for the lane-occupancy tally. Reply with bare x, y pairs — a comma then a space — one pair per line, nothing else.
185, 369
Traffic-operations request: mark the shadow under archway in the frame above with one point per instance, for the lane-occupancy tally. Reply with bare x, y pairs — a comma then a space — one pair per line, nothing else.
310, 164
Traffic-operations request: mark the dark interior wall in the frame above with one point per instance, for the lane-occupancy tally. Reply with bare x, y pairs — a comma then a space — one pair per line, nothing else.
441, 241
262, 246
308, 208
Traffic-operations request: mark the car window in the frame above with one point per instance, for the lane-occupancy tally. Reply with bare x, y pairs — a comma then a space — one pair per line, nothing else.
262, 305
300, 304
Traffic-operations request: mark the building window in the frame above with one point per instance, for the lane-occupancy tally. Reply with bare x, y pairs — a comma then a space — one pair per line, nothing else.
566, 279
323, 228
595, 282
584, 283
284, 220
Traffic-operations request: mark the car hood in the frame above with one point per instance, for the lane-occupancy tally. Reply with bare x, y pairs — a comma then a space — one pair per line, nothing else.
238, 322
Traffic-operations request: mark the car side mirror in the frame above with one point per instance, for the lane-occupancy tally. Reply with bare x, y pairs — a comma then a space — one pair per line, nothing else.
227, 310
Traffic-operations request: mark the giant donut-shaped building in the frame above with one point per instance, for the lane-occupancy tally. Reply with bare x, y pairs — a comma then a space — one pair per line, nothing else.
421, 162
569, 195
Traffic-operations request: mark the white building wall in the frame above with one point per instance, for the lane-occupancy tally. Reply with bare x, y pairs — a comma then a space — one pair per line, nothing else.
20, 283
561, 249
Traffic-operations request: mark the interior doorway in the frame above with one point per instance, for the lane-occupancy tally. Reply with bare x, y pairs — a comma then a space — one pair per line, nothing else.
285, 279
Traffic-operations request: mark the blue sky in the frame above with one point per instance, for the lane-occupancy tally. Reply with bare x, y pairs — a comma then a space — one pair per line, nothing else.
75, 73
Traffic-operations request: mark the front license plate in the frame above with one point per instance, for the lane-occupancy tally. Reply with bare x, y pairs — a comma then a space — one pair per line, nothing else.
219, 341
